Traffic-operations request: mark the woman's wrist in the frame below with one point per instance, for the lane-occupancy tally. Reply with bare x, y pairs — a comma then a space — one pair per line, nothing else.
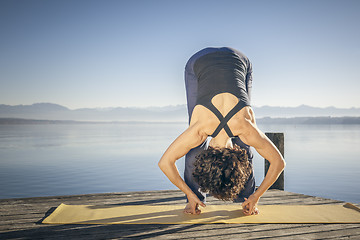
257, 195
191, 195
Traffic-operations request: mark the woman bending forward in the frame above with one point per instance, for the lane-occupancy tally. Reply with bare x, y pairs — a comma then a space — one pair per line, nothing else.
221, 130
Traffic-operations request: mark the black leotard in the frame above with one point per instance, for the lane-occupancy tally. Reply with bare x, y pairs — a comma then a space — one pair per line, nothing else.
222, 72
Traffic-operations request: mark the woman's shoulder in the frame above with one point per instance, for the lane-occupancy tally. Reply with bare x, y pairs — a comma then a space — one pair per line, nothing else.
242, 121
246, 113
203, 119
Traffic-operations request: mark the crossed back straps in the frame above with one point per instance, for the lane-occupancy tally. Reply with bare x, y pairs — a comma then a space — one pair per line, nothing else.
224, 120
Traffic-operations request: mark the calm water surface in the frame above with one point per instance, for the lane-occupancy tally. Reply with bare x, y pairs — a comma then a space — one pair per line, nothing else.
47, 160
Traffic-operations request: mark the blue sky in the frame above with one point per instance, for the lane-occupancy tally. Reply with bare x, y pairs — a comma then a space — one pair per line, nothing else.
132, 53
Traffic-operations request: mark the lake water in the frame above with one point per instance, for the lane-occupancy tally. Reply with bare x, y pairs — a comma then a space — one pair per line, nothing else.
66, 159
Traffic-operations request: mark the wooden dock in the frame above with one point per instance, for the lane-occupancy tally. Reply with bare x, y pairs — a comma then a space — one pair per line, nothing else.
21, 219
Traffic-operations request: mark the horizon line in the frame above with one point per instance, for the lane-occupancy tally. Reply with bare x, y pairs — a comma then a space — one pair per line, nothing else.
171, 105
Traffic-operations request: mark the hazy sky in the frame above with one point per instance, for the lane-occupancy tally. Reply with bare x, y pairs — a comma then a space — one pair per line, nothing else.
132, 53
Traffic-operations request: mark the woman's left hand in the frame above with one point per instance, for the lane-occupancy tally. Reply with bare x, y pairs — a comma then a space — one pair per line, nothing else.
250, 205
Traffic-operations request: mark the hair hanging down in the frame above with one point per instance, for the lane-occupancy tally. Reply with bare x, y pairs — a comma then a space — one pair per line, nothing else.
222, 172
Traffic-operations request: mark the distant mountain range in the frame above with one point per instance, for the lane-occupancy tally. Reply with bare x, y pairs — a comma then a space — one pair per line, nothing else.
50, 111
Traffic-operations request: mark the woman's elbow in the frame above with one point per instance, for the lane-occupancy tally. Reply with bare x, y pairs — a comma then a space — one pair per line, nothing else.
282, 164
163, 165
278, 163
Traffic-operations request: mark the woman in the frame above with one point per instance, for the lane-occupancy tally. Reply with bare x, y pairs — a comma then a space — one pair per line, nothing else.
218, 83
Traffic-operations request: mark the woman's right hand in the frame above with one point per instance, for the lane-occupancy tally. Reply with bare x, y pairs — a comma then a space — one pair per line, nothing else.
193, 204
250, 205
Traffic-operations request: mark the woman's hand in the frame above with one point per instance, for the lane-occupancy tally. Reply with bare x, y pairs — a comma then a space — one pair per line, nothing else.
193, 205
250, 205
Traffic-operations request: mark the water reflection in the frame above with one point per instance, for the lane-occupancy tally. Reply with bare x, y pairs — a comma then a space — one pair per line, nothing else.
44, 160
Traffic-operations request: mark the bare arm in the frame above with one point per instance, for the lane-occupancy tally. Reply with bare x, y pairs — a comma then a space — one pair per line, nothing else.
252, 136
189, 139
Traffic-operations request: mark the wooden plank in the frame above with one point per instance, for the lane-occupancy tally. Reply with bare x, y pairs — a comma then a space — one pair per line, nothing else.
19, 218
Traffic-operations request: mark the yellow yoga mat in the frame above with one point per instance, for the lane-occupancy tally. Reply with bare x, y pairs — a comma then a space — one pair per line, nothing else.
172, 214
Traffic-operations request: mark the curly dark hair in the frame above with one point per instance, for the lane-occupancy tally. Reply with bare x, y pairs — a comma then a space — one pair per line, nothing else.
222, 172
